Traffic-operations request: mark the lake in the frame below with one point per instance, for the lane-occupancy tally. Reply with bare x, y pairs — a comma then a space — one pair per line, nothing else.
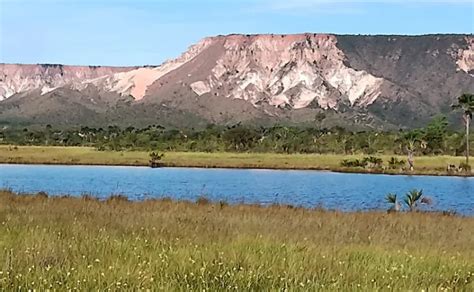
341, 191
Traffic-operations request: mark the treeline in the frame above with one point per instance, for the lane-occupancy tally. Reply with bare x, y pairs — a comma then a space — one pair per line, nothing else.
435, 138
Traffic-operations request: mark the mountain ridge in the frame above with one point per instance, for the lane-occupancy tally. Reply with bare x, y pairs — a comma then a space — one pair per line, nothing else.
279, 78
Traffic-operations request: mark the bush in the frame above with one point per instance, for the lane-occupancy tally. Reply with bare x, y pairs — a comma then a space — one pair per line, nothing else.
155, 158
101, 148
394, 163
463, 166
373, 162
353, 163
370, 161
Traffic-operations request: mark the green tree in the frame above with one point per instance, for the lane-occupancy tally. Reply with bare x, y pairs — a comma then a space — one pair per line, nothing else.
411, 139
318, 119
435, 134
240, 138
466, 104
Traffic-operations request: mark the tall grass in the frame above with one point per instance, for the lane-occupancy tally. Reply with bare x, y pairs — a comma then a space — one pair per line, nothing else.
85, 244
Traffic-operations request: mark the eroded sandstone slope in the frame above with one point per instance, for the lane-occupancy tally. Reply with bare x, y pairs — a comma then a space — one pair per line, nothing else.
381, 80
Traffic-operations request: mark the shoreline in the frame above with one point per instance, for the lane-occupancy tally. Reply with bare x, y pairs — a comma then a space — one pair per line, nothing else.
87, 156
256, 167
203, 200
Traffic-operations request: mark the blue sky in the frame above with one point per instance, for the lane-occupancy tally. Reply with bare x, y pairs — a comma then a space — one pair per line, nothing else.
139, 32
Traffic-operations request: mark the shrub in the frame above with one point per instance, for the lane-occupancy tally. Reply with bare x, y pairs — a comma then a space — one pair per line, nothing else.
394, 163
463, 166
373, 162
353, 163
101, 148
155, 158
369, 161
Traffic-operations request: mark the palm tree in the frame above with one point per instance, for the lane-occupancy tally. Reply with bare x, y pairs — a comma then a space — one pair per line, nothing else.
411, 139
412, 198
392, 199
466, 103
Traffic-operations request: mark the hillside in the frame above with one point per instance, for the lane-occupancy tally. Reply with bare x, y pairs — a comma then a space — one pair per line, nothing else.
356, 81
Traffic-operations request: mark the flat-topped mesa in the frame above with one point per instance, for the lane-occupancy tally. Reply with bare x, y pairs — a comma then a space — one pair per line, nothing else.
287, 71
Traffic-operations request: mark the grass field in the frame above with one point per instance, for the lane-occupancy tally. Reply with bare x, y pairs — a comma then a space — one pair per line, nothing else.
85, 155
84, 244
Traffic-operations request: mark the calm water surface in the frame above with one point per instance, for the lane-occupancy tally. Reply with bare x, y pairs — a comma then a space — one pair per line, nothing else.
347, 192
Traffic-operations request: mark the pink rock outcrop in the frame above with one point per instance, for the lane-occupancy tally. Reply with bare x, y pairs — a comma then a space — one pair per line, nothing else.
16, 78
465, 60
292, 71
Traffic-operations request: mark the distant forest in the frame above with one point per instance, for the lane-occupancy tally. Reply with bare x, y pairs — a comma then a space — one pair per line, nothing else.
434, 139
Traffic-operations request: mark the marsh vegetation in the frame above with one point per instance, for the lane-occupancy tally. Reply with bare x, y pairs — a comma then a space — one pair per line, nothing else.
81, 243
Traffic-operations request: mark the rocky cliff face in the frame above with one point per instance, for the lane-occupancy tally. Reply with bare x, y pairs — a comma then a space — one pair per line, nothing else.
289, 71
16, 78
376, 80
465, 57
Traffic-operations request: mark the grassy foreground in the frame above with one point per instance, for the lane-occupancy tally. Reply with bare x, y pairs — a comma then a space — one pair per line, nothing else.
435, 165
84, 244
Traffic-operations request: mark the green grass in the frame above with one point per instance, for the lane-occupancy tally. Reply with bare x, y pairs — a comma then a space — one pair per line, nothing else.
86, 155
84, 244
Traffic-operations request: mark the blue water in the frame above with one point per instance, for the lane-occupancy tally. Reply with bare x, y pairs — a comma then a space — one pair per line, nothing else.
345, 192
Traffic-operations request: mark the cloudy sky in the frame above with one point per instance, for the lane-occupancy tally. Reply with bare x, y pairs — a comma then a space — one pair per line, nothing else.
139, 32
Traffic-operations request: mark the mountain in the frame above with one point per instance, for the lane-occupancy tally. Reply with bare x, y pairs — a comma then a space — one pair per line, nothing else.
384, 82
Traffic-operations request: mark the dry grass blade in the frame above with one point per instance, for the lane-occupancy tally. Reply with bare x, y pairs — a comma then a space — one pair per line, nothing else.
84, 244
